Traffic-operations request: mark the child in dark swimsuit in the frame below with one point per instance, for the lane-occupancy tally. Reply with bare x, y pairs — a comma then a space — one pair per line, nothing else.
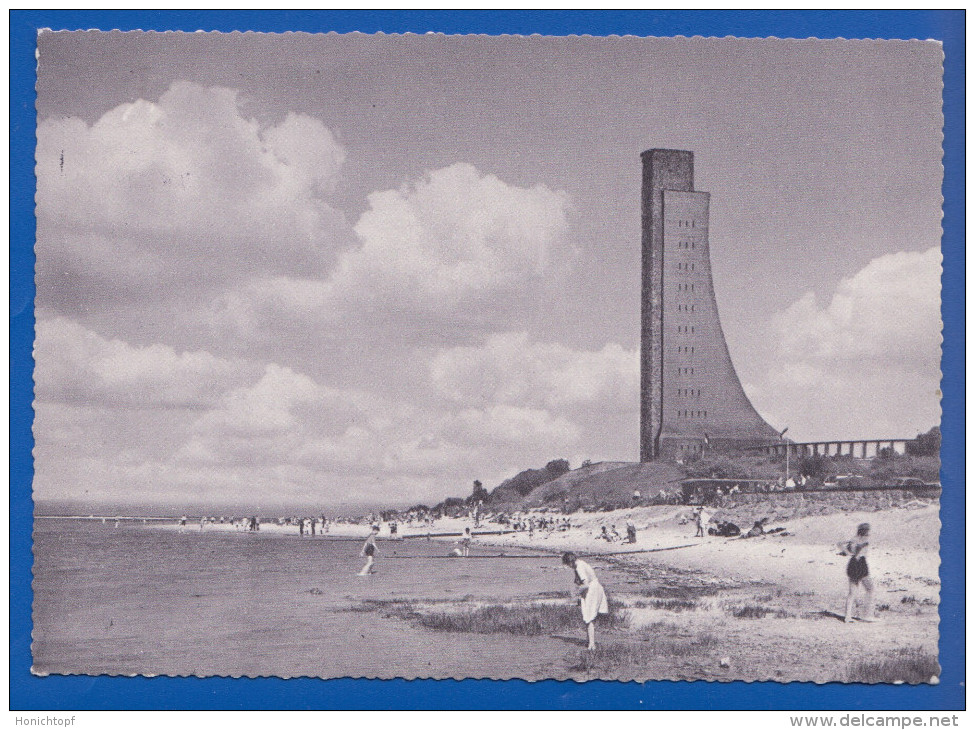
369, 552
858, 573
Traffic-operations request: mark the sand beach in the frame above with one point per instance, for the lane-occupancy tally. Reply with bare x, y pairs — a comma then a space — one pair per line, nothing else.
767, 607
682, 607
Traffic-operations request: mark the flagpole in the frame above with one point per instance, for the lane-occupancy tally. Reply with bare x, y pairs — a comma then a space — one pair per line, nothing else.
787, 449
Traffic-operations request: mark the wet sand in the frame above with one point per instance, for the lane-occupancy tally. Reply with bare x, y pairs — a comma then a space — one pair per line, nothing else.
143, 599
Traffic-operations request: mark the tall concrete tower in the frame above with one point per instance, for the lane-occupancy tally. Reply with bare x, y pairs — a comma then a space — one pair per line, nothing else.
691, 398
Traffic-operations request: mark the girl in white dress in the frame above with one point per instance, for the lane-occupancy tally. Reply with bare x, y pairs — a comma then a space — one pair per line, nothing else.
592, 596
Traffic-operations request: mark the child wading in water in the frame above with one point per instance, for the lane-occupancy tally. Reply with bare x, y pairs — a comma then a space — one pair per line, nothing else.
592, 597
858, 573
369, 550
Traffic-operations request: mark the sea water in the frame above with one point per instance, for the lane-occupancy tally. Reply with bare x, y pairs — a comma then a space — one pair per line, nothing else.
144, 599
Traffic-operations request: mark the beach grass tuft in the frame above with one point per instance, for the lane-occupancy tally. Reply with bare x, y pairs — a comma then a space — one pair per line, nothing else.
672, 591
663, 645
705, 642
657, 627
676, 605
654, 648
368, 605
611, 656
754, 610
910, 666
534, 619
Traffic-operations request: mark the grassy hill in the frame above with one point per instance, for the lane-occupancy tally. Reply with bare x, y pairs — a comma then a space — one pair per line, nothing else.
555, 491
511, 491
610, 484
605, 484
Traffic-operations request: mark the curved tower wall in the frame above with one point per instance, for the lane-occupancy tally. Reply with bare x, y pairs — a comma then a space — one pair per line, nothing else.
691, 397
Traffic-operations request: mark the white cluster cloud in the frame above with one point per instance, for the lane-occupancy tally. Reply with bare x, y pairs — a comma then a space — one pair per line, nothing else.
442, 259
889, 313
865, 362
288, 418
507, 425
204, 429
511, 369
74, 364
454, 238
182, 193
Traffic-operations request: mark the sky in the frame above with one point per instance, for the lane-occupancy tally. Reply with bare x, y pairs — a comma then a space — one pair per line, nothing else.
320, 271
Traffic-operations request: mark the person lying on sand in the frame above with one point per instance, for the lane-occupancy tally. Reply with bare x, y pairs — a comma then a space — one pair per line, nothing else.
592, 596
723, 528
758, 529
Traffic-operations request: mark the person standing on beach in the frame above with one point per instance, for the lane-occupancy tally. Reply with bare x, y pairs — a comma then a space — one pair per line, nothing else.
592, 596
630, 532
702, 518
858, 573
465, 542
369, 551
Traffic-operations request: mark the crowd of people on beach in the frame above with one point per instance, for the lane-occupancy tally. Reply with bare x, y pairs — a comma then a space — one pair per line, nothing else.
611, 534
251, 524
307, 525
532, 523
708, 525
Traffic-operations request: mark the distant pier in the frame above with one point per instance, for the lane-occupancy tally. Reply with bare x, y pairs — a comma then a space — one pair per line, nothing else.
861, 448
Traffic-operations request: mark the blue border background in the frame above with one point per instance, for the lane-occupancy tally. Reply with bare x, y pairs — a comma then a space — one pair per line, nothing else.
28, 692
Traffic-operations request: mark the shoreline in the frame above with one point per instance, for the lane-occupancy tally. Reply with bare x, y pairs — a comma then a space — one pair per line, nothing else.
803, 557
904, 560
720, 609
